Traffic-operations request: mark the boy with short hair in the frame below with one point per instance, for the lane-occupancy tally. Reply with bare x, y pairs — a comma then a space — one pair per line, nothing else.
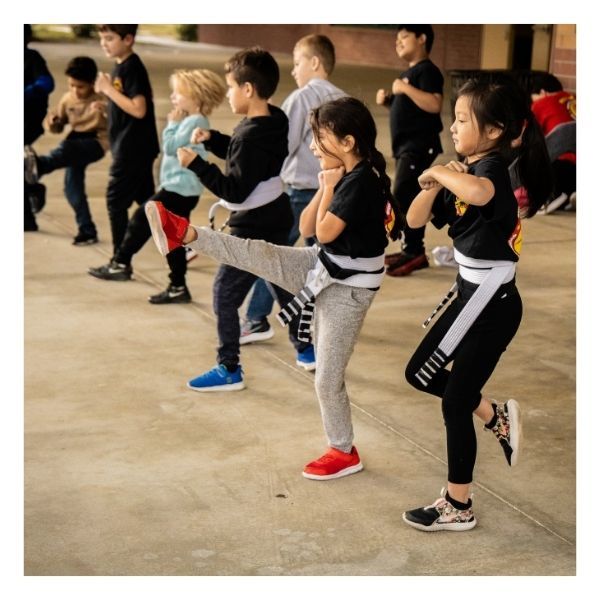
253, 157
131, 128
314, 61
415, 103
85, 112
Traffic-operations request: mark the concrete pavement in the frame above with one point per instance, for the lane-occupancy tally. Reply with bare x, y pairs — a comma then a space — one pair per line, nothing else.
129, 473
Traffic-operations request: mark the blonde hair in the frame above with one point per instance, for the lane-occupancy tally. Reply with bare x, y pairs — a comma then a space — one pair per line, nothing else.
204, 87
320, 46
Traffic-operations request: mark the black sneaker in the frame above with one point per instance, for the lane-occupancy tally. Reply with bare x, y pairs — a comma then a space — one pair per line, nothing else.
255, 331
31, 170
172, 295
508, 430
441, 515
37, 197
113, 271
85, 239
406, 263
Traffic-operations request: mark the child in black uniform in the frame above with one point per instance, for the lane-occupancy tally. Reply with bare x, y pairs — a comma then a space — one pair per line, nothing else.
338, 278
475, 199
415, 104
131, 131
252, 189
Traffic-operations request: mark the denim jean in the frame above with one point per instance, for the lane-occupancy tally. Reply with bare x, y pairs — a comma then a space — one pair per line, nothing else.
74, 155
261, 301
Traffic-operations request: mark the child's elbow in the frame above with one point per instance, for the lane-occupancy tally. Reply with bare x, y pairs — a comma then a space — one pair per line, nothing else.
414, 222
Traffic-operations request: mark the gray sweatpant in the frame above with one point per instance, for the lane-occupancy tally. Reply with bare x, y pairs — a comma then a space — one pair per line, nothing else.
339, 314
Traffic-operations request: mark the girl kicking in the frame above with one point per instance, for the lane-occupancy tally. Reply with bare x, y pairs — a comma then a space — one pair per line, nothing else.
337, 279
474, 197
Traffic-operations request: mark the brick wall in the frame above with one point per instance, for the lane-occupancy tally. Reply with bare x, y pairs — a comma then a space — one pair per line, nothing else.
455, 46
563, 58
563, 65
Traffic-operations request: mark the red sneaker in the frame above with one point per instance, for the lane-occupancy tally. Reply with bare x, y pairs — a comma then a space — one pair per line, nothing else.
391, 258
168, 230
333, 464
406, 264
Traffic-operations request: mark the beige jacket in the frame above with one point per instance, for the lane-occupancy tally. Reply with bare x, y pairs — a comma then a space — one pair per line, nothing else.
80, 115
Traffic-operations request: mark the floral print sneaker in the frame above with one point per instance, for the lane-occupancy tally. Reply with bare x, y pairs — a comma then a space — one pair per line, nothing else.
508, 430
441, 515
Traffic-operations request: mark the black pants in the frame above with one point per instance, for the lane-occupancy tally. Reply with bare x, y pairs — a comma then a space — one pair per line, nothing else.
409, 167
128, 182
229, 291
474, 361
138, 233
564, 177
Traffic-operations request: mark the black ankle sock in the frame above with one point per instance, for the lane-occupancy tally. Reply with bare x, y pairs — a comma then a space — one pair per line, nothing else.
458, 505
494, 419
231, 368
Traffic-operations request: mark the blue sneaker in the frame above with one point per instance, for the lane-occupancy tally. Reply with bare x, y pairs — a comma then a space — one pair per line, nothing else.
306, 358
218, 379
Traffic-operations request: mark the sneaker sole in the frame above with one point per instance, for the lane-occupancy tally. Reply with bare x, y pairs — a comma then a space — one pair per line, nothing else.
259, 336
342, 473
405, 270
441, 526
170, 301
556, 204
230, 387
105, 278
307, 366
158, 235
514, 416
86, 243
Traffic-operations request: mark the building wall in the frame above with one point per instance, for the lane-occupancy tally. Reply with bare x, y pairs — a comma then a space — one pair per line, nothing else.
563, 59
455, 46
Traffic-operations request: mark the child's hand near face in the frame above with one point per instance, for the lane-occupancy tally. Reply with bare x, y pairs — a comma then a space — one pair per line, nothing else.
330, 177
176, 115
427, 180
185, 156
200, 135
103, 83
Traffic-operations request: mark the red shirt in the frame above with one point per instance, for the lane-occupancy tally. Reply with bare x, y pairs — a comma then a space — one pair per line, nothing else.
554, 109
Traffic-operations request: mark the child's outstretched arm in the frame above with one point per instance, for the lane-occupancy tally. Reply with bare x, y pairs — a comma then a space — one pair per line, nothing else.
469, 188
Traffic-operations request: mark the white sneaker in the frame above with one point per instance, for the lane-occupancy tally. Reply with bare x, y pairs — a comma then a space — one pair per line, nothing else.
553, 205
190, 254
443, 256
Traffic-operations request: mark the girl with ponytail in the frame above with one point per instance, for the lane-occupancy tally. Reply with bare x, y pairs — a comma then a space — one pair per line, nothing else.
474, 197
336, 280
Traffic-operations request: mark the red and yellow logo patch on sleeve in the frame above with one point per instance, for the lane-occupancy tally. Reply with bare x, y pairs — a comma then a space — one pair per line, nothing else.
461, 206
515, 241
118, 84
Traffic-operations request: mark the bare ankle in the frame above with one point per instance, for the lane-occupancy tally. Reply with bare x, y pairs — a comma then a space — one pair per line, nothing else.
190, 235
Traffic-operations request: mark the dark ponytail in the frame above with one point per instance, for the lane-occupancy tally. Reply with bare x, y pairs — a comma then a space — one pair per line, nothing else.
349, 116
399, 221
533, 167
498, 101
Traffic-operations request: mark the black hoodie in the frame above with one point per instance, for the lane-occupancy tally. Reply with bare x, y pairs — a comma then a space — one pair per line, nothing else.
254, 153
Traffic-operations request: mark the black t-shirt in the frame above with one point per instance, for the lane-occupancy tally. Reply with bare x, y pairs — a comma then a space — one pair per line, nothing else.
132, 139
412, 128
489, 232
359, 201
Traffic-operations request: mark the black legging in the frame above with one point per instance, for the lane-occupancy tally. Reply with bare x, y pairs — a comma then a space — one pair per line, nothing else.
475, 358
